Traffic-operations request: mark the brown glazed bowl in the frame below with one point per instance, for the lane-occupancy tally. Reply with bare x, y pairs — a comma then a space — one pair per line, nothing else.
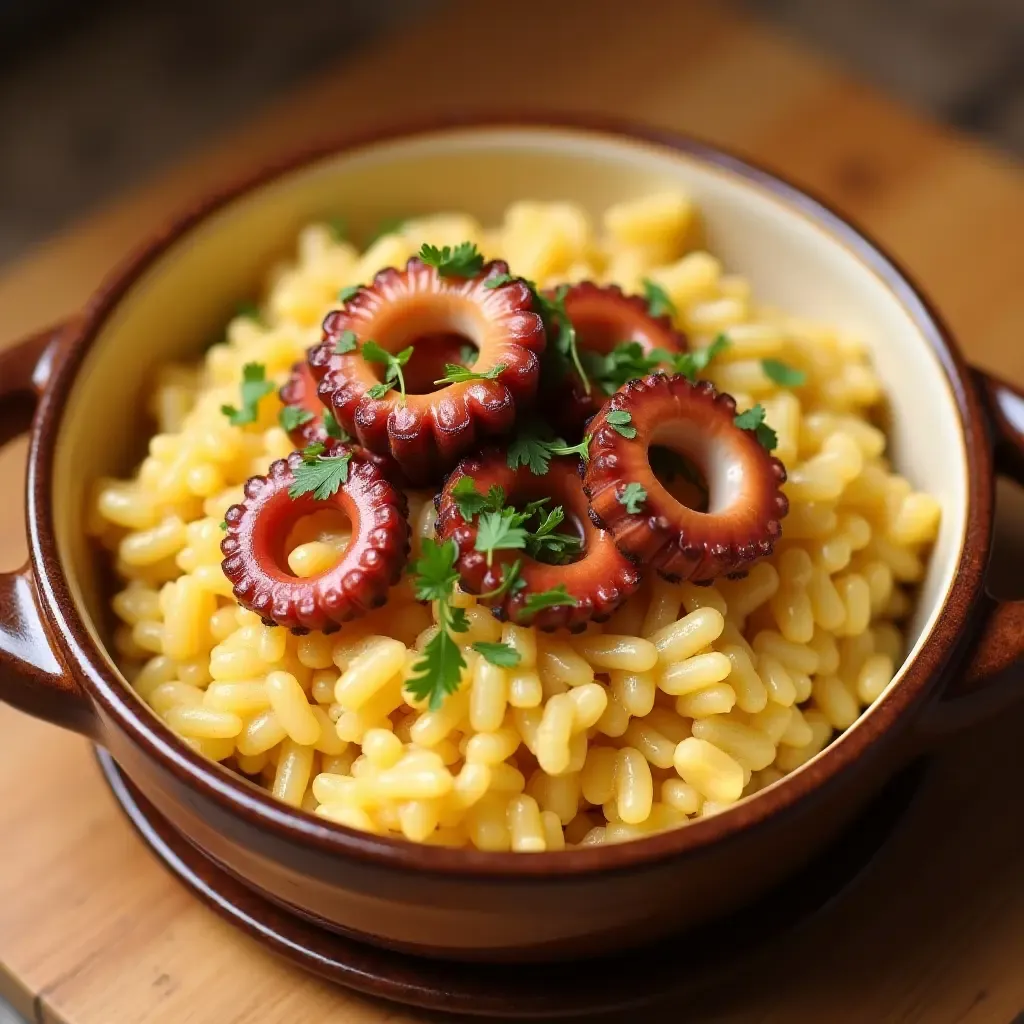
953, 428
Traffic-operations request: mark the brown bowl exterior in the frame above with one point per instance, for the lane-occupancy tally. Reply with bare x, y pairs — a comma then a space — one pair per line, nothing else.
466, 904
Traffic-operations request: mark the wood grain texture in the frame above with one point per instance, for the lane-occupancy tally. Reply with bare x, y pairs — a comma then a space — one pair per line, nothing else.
92, 931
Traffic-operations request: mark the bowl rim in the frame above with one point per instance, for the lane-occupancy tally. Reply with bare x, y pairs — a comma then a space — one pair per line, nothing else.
238, 797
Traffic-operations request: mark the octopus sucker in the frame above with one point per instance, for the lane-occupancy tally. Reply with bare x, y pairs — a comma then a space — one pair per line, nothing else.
427, 432
599, 579
604, 317
299, 392
257, 528
745, 505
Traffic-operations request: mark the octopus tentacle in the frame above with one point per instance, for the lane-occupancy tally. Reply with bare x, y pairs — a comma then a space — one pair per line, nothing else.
426, 433
604, 317
600, 579
299, 391
745, 503
254, 555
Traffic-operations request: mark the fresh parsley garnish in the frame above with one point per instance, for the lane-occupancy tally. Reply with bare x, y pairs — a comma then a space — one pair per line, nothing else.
471, 502
224, 525
454, 373
502, 655
319, 473
348, 342
556, 597
498, 280
621, 421
388, 226
508, 528
783, 374
249, 311
510, 582
625, 362
658, 302
753, 420
254, 387
464, 260
350, 292
332, 428
393, 367
338, 228
531, 448
633, 497
544, 544
292, 417
691, 364
500, 531
562, 333
439, 672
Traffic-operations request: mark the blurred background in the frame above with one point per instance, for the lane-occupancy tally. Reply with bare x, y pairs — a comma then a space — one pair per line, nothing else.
96, 95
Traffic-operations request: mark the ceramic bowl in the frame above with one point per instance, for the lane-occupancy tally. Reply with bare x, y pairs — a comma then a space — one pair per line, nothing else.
951, 428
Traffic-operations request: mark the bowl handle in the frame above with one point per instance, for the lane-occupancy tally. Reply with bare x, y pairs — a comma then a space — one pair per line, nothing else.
32, 677
993, 678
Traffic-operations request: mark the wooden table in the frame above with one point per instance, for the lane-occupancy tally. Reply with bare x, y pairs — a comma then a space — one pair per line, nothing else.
92, 929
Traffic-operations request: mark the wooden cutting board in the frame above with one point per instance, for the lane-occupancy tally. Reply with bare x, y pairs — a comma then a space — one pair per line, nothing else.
94, 931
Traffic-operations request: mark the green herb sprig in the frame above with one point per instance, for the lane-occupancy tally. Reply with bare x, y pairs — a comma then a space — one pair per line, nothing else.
254, 387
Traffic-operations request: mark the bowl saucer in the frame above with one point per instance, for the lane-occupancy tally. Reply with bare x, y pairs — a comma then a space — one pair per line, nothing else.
559, 990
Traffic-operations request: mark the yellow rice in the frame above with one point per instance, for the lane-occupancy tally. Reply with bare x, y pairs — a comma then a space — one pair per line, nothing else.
688, 700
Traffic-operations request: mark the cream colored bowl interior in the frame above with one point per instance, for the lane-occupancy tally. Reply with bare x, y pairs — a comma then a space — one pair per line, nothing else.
185, 297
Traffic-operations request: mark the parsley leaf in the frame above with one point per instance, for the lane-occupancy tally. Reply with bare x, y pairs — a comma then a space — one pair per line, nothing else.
498, 280
658, 302
556, 597
753, 420
439, 672
254, 387
348, 342
564, 338
319, 473
393, 367
224, 525
293, 416
625, 362
531, 448
633, 497
464, 260
500, 531
332, 428
621, 421
692, 363
502, 655
350, 292
338, 228
783, 374
250, 311
388, 226
546, 545
457, 374
510, 581
471, 502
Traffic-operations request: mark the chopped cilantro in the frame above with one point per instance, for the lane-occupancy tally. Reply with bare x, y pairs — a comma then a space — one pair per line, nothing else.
462, 261
332, 428
439, 672
498, 280
500, 531
292, 417
633, 497
471, 502
564, 336
783, 374
457, 374
254, 387
502, 655
531, 448
348, 342
622, 421
320, 474
658, 302
753, 420
692, 363
350, 292
393, 367
556, 597
224, 525
625, 362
